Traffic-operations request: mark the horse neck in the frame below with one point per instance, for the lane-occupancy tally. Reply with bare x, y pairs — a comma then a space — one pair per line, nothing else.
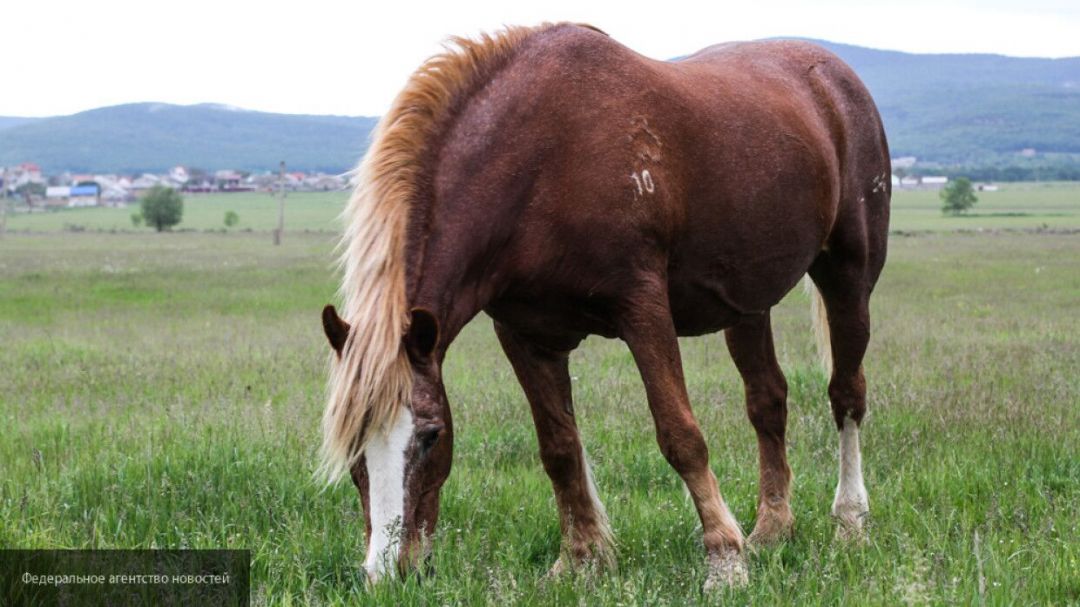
479, 182
451, 281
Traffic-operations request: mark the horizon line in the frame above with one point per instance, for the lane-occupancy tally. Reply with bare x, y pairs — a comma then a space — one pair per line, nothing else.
236, 108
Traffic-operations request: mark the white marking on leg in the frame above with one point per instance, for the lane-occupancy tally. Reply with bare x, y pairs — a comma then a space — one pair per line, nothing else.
727, 566
851, 502
598, 507
728, 518
385, 457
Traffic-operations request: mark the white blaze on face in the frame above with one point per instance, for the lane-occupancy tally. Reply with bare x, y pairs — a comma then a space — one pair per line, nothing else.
851, 501
385, 457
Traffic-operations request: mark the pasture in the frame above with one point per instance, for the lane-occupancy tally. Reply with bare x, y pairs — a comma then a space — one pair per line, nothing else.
257, 211
164, 390
1014, 206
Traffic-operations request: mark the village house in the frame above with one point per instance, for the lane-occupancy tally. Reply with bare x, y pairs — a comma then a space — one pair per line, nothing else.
23, 174
84, 195
144, 182
87, 194
325, 183
227, 180
57, 195
67, 189
179, 174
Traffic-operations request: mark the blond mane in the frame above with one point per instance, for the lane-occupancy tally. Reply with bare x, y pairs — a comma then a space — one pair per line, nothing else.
372, 380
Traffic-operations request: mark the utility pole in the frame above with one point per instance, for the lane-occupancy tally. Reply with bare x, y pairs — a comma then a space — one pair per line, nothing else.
4, 205
281, 205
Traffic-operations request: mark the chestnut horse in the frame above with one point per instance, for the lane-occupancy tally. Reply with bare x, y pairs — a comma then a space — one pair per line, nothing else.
567, 186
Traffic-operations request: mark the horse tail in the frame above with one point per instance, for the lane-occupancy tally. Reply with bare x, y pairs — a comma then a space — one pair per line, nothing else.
821, 324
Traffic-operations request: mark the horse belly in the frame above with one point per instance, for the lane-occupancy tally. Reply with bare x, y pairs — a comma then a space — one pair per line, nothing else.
740, 260
707, 303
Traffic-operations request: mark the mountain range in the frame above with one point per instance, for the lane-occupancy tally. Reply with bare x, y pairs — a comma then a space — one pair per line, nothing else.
151, 137
945, 109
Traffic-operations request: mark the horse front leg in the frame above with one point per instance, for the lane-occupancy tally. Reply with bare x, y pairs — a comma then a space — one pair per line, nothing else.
648, 329
545, 376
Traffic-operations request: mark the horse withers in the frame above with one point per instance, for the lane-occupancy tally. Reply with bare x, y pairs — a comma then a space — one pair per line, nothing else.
567, 186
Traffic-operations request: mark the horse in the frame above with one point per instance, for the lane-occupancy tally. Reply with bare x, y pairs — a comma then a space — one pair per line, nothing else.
567, 186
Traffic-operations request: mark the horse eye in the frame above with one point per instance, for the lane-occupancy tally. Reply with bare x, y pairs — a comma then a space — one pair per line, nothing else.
427, 437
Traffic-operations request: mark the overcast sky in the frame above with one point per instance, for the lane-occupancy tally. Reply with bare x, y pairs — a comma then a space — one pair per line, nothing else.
323, 57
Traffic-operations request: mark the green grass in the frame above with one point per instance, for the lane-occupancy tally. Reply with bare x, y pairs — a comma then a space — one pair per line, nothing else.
165, 391
1014, 206
257, 210
1017, 206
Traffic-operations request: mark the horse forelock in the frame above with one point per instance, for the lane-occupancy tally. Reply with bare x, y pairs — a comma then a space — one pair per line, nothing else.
372, 379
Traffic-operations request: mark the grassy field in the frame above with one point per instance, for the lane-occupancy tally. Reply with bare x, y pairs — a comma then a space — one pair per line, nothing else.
1014, 206
165, 391
257, 211
1022, 206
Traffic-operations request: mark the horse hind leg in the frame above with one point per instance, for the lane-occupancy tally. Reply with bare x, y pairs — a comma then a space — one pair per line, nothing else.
845, 294
545, 377
751, 346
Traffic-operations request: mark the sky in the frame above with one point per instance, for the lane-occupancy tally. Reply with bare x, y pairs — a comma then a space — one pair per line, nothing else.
351, 58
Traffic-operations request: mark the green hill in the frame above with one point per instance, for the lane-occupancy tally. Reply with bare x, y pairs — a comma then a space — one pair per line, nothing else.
977, 112
7, 122
971, 109
154, 136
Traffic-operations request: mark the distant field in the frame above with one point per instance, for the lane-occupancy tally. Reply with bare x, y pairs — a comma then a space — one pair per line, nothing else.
1015, 206
165, 391
258, 211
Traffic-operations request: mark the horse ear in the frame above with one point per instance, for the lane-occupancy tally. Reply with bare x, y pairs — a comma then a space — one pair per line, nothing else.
337, 330
423, 334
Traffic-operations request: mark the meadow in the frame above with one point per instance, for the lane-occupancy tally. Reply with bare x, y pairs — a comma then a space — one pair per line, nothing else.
1053, 205
165, 390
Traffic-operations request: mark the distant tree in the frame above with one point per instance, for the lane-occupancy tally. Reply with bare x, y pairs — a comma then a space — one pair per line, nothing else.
162, 207
136, 219
30, 189
231, 219
958, 196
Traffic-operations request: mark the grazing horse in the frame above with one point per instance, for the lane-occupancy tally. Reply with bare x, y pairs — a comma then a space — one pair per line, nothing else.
568, 186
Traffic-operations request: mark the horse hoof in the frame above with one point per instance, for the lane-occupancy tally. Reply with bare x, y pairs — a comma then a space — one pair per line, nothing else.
557, 570
771, 530
727, 569
849, 527
768, 537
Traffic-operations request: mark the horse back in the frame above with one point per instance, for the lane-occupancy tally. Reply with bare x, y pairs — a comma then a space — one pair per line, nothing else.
726, 172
